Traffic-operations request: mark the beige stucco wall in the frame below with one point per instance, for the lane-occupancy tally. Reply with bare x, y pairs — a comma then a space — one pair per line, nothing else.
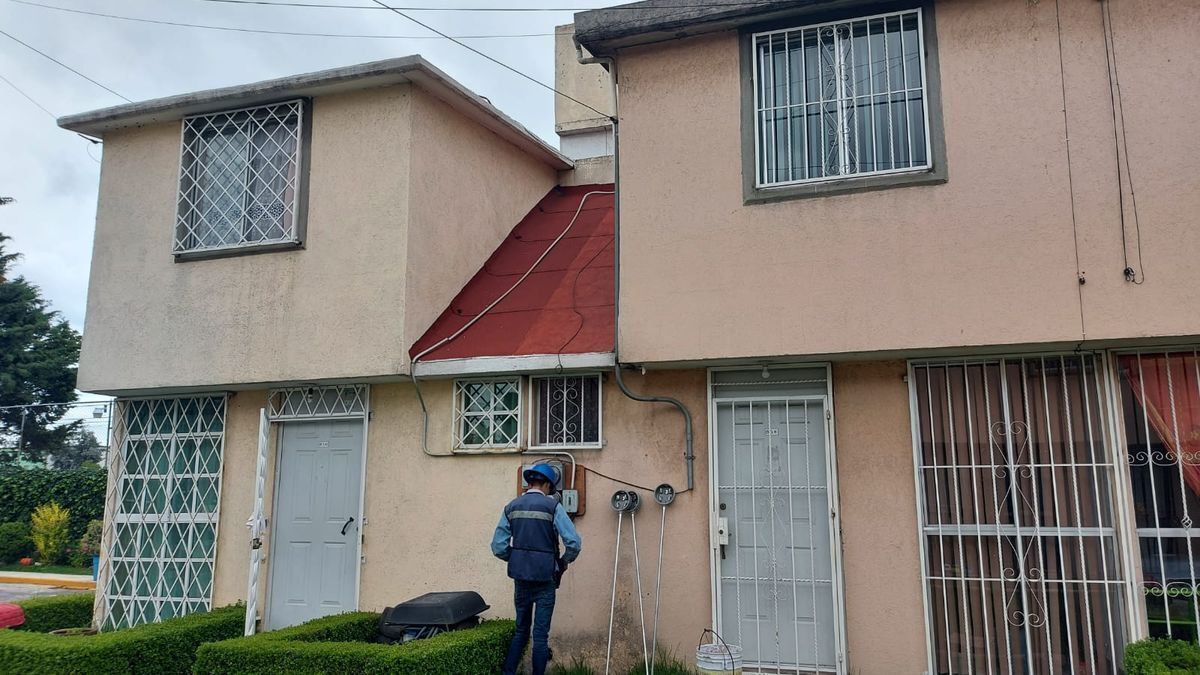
881, 560
589, 83
985, 259
346, 306
468, 188
429, 520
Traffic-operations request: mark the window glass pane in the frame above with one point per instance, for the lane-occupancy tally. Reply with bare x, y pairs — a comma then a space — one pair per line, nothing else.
1023, 572
1160, 395
840, 99
160, 532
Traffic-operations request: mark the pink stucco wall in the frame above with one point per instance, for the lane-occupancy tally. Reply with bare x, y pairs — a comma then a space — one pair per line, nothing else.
987, 258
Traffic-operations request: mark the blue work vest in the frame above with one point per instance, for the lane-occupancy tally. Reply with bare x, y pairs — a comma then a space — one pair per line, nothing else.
534, 537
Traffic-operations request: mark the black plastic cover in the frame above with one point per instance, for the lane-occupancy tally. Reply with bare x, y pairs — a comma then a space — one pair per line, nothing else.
436, 609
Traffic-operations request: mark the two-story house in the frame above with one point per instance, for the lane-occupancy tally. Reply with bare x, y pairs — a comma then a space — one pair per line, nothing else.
938, 260
919, 275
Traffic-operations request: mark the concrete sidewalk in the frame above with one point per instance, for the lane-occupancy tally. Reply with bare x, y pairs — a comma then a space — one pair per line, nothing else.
79, 581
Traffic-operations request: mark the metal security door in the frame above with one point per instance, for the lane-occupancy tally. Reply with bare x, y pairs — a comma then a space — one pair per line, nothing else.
314, 555
778, 586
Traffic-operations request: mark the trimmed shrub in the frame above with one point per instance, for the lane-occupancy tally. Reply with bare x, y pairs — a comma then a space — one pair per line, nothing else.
81, 491
1162, 657
89, 543
14, 542
49, 531
345, 643
167, 647
53, 612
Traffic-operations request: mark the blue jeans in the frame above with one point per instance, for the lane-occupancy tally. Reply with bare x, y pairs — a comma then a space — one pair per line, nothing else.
527, 595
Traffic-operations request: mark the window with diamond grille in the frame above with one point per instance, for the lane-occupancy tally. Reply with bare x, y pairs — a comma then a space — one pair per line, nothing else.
837, 99
487, 413
162, 511
567, 411
239, 178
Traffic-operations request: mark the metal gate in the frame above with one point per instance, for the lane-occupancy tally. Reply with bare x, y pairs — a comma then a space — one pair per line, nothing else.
778, 586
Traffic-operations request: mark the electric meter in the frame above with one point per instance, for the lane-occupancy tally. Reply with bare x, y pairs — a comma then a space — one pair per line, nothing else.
664, 494
625, 501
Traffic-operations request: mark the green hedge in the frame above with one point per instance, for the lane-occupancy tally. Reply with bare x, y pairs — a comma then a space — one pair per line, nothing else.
345, 643
81, 491
1162, 657
53, 612
167, 647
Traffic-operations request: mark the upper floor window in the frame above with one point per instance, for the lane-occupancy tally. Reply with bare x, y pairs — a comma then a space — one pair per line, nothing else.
841, 99
239, 182
567, 411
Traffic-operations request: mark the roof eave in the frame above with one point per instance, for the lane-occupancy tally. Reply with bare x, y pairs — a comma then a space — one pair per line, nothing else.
604, 31
414, 69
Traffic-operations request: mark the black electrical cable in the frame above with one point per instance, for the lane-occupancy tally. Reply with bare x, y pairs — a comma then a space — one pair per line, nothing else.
326, 5
575, 300
489, 58
1115, 98
616, 480
264, 31
27, 96
44, 54
1062, 76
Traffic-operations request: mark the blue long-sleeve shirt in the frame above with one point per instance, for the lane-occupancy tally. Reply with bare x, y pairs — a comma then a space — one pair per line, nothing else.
572, 542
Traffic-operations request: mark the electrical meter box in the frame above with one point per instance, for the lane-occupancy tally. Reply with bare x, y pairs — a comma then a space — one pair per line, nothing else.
570, 490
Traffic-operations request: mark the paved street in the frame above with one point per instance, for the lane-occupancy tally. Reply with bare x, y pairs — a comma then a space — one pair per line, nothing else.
11, 592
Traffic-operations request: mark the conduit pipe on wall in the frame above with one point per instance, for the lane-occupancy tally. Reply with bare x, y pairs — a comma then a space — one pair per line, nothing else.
689, 454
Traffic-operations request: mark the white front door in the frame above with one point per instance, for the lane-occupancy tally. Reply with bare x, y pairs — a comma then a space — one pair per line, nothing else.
778, 584
314, 554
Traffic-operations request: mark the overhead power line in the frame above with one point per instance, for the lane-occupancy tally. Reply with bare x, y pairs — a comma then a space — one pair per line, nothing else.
27, 96
265, 31
325, 5
489, 58
51, 58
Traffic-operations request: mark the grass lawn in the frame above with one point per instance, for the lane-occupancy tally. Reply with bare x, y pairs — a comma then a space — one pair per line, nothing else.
46, 569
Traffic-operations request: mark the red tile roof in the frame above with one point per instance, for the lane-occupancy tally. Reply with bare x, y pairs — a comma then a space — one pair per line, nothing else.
565, 306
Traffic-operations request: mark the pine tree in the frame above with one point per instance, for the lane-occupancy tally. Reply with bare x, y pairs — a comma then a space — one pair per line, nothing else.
38, 354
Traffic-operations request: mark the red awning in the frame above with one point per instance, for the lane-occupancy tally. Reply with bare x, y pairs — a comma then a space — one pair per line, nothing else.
564, 307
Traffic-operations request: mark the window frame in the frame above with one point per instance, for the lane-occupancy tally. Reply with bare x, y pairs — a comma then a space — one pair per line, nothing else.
186, 184
459, 415
535, 409
933, 173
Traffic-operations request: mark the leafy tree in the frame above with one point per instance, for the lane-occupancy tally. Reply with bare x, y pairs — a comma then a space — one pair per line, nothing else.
81, 447
38, 353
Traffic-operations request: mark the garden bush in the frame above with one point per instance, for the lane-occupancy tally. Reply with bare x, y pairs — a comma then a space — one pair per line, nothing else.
53, 612
14, 541
167, 647
1162, 657
49, 531
81, 491
345, 643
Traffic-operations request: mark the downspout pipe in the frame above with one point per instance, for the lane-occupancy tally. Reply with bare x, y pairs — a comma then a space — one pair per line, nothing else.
689, 454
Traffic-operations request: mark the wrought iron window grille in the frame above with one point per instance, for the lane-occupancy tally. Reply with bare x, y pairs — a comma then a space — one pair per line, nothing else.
566, 412
487, 413
240, 179
841, 99
349, 400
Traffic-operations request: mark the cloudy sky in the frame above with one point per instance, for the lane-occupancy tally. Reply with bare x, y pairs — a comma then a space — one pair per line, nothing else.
53, 174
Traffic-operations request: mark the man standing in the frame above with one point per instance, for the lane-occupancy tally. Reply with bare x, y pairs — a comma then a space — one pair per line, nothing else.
527, 537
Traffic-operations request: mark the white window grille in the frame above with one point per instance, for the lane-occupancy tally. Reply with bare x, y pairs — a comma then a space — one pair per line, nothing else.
1016, 481
239, 182
1160, 398
846, 98
487, 413
308, 402
162, 510
566, 411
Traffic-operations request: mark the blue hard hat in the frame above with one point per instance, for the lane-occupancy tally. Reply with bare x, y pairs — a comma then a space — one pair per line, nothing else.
542, 471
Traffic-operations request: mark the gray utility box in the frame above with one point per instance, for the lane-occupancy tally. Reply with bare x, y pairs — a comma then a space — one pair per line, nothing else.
430, 614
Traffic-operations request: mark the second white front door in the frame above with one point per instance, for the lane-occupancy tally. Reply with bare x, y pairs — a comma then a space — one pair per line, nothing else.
314, 555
